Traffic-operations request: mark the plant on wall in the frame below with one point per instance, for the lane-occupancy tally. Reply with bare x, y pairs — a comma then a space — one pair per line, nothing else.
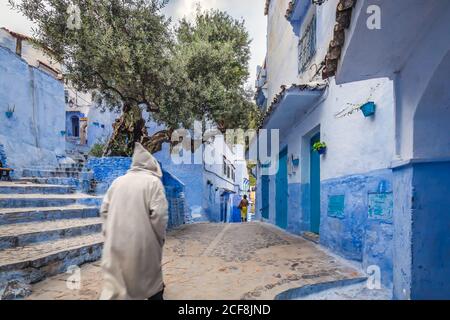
97, 150
10, 111
320, 147
368, 107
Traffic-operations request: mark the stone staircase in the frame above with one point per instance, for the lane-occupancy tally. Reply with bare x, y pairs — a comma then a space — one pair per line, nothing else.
45, 227
72, 175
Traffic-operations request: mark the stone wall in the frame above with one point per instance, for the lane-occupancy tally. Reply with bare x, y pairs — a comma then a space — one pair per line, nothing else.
3, 156
107, 169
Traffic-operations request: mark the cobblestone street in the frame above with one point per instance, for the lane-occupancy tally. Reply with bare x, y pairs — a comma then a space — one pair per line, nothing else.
219, 261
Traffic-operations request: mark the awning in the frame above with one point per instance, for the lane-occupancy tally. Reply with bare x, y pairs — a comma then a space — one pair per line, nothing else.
291, 104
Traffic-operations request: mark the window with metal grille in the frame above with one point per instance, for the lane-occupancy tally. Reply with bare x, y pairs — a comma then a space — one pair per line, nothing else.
307, 46
224, 166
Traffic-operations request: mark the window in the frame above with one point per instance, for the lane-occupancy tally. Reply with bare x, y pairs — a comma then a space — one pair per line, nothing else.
66, 95
224, 166
307, 45
19, 47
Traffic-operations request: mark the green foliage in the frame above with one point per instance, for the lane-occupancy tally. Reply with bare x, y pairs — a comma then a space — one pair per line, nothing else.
252, 178
213, 53
319, 146
97, 150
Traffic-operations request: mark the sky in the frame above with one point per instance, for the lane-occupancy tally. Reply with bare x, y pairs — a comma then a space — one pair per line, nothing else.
252, 11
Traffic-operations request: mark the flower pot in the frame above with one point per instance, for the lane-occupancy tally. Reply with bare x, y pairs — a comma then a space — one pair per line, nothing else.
63, 133
322, 151
9, 114
368, 109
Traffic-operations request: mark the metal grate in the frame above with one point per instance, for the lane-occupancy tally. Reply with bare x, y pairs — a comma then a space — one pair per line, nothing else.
307, 45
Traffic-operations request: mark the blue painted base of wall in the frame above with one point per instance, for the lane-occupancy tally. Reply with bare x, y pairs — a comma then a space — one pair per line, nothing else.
354, 234
422, 225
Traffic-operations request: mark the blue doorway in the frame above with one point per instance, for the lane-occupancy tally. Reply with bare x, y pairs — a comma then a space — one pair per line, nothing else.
224, 200
281, 196
75, 126
315, 186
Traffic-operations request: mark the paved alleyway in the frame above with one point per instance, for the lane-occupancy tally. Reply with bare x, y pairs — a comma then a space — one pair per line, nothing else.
217, 261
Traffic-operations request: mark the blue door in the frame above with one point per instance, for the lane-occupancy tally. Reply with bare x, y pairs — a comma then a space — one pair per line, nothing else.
265, 193
224, 207
315, 187
282, 191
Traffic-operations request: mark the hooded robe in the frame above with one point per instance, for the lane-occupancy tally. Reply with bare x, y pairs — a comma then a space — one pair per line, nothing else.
135, 214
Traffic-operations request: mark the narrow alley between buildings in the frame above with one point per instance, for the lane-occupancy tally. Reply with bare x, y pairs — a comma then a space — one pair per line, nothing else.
222, 261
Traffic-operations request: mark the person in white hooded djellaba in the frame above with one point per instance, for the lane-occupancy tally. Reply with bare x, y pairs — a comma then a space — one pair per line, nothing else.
135, 215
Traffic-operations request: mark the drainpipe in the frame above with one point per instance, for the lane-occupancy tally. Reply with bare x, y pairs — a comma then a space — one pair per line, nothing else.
397, 116
33, 100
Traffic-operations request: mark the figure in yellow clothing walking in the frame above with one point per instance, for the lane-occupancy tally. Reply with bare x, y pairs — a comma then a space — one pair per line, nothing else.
243, 206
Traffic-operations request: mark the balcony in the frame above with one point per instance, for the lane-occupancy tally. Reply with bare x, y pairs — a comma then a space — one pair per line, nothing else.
371, 53
291, 104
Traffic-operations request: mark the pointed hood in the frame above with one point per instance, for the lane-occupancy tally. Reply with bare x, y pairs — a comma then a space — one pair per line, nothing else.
144, 161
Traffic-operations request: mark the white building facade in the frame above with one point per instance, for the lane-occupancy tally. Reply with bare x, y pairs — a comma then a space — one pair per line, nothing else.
377, 100
343, 196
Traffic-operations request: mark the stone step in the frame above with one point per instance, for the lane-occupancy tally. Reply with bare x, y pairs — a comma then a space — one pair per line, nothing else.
34, 263
69, 169
27, 215
73, 182
70, 165
47, 200
27, 188
33, 173
20, 235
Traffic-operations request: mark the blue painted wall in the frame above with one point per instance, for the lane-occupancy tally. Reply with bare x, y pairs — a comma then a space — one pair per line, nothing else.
355, 236
107, 169
191, 175
69, 115
100, 125
422, 217
32, 136
3, 156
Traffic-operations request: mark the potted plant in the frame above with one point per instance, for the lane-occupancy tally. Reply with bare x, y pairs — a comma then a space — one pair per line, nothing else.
10, 111
320, 147
368, 109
